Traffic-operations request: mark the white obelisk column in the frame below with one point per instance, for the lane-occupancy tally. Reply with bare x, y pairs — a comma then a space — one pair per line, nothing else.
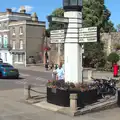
72, 49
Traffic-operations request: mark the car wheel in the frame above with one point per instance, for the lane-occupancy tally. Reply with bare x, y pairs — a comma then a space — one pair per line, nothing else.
17, 77
0, 75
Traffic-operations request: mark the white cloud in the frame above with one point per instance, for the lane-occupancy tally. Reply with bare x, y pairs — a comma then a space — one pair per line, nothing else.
14, 8
27, 8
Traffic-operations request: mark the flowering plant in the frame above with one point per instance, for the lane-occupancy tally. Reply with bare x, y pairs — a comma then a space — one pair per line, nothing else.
63, 85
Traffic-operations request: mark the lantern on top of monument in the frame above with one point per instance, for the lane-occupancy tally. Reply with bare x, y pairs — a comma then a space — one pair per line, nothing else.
72, 5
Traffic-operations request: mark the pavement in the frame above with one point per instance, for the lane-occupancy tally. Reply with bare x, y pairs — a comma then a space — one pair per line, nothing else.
13, 107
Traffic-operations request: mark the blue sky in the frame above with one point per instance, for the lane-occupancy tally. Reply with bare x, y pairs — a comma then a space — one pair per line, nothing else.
45, 7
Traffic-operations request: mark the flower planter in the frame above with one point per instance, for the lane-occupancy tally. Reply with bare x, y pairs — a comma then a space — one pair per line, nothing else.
58, 97
61, 97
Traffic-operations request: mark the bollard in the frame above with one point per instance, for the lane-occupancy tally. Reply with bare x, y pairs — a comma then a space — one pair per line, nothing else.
73, 102
27, 91
90, 74
118, 97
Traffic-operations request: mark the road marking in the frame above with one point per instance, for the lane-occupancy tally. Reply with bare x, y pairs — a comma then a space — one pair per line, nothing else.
20, 82
24, 75
40, 79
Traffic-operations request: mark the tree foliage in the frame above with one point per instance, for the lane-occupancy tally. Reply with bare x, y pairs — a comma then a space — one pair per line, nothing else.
113, 57
56, 25
118, 27
95, 13
95, 57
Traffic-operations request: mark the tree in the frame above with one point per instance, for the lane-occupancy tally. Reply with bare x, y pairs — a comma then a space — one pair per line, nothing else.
95, 13
113, 58
55, 25
94, 57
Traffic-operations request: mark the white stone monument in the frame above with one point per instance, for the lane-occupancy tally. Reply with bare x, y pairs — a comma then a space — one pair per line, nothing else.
73, 38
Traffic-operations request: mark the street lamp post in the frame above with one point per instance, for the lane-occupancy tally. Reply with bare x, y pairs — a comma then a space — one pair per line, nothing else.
72, 5
72, 48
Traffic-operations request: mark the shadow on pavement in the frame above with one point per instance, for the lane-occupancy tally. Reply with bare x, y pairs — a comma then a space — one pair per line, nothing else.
20, 78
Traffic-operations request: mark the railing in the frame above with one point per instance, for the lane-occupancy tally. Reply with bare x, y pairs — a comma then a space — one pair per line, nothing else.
28, 88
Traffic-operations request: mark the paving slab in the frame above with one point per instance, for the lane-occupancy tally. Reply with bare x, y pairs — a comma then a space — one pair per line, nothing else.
12, 108
48, 106
101, 105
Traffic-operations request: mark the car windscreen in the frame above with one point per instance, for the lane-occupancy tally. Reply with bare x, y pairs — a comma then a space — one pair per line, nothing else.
7, 66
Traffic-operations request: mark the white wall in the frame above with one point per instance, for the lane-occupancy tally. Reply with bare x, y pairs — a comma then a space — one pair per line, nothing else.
6, 56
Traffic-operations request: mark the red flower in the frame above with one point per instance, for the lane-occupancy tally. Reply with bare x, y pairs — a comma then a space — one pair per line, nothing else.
53, 86
49, 81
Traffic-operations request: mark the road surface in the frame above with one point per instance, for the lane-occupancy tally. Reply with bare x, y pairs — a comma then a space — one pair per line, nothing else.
26, 76
12, 106
37, 78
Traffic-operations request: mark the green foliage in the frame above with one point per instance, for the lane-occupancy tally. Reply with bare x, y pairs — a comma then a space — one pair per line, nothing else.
117, 46
94, 57
118, 27
95, 13
55, 25
47, 33
113, 57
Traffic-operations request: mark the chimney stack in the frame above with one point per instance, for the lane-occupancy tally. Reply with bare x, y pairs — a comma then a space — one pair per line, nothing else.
22, 9
8, 11
34, 17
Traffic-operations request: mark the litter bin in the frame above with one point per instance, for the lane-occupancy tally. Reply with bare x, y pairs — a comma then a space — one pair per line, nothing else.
118, 98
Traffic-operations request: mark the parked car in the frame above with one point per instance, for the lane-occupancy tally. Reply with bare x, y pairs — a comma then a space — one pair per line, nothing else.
8, 71
1, 61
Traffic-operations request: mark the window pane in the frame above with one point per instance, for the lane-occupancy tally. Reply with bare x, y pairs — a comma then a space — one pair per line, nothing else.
20, 58
0, 40
7, 66
80, 2
73, 2
66, 2
5, 56
5, 41
21, 30
21, 44
13, 45
13, 31
16, 58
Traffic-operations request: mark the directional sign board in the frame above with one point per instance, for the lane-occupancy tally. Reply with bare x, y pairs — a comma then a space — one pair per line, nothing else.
57, 36
88, 34
58, 19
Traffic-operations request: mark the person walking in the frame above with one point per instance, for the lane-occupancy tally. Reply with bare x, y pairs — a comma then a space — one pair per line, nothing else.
60, 73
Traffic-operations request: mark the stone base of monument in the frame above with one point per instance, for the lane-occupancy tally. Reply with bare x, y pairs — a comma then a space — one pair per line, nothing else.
98, 106
74, 102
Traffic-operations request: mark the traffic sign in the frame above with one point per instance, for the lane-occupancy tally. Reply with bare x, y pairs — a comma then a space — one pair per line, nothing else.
89, 29
57, 40
90, 39
56, 31
89, 34
58, 19
57, 36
